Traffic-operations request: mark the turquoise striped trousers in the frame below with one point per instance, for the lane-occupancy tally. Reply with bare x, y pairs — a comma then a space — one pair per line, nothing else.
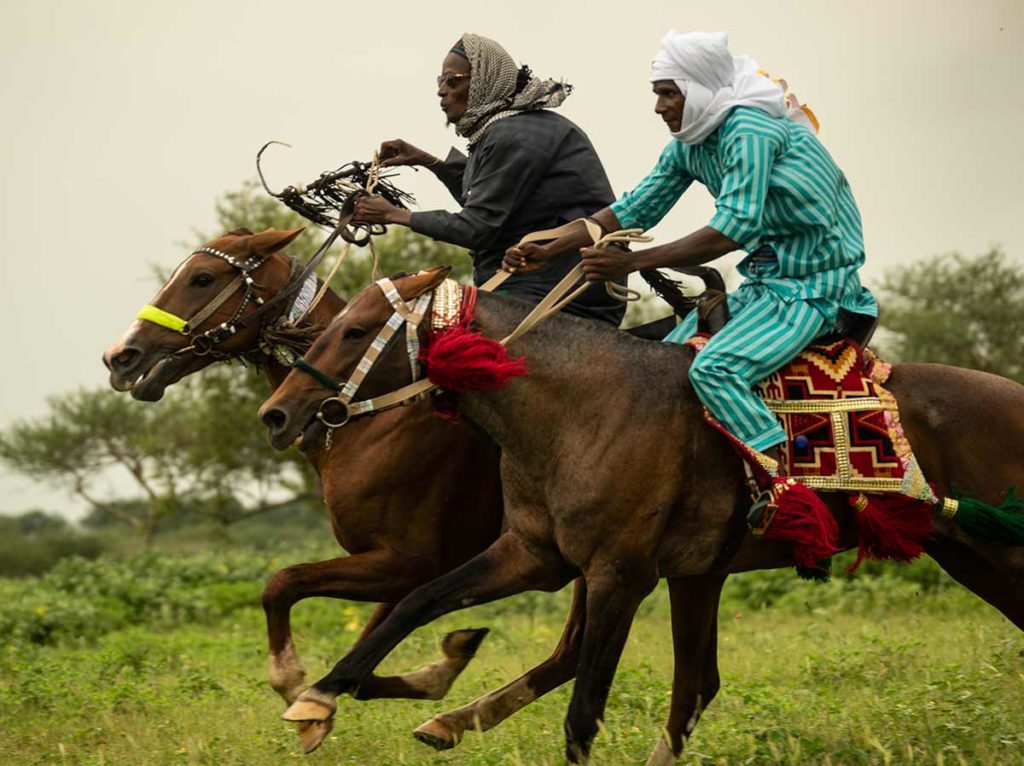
765, 333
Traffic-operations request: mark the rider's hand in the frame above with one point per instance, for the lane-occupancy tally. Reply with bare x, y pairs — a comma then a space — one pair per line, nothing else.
527, 257
398, 152
372, 208
607, 264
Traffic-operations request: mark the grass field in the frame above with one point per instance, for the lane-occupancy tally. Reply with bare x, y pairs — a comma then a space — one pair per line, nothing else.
878, 669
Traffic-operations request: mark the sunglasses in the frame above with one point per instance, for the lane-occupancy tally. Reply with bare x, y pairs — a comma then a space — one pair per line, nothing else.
450, 80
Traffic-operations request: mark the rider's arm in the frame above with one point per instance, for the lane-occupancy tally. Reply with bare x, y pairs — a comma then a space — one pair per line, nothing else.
748, 157
507, 169
449, 172
641, 208
702, 246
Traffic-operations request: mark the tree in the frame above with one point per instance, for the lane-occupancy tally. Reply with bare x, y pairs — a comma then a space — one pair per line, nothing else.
84, 435
955, 310
201, 450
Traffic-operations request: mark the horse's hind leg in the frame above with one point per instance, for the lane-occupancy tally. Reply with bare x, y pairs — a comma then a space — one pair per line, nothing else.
614, 591
445, 730
695, 640
507, 567
978, 575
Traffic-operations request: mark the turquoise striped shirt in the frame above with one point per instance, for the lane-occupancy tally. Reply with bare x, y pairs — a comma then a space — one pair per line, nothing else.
774, 184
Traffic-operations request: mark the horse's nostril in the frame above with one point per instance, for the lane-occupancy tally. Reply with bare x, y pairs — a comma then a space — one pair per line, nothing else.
275, 419
125, 358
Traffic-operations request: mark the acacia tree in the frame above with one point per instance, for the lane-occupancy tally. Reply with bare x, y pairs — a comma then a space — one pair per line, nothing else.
958, 310
194, 452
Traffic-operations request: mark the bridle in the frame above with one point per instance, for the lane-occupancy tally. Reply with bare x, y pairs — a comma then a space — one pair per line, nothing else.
204, 343
451, 302
448, 299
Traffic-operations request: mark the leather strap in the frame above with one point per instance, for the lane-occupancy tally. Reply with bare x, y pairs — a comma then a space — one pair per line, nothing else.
203, 314
561, 294
567, 289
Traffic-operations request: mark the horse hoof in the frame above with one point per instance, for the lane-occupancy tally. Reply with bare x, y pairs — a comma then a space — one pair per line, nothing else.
462, 644
313, 733
662, 755
438, 735
311, 706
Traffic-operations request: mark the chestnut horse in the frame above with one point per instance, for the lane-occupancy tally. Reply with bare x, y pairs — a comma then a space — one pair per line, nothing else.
627, 485
401, 531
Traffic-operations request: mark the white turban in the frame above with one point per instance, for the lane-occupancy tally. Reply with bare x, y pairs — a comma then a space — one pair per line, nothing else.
714, 82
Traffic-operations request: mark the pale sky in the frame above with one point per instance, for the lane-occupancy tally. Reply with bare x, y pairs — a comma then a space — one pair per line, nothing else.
124, 120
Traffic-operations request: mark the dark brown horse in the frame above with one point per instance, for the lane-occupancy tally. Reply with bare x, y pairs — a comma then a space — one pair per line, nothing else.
627, 485
409, 496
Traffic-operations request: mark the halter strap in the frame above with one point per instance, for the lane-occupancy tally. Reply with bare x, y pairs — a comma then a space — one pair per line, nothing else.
409, 313
168, 320
157, 316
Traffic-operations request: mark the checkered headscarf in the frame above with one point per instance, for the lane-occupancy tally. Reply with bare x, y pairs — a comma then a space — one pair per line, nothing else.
499, 89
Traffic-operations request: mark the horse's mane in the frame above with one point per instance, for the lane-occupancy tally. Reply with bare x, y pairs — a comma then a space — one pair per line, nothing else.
566, 341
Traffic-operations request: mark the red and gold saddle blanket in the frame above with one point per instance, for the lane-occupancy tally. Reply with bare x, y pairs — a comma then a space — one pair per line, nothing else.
843, 425
844, 437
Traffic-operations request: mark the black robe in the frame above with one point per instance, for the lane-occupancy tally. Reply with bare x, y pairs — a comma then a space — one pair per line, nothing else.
531, 171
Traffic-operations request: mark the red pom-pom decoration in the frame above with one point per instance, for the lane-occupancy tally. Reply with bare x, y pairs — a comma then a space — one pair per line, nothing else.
461, 360
893, 527
805, 521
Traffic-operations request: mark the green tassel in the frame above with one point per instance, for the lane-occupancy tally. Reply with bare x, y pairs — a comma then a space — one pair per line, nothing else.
1003, 525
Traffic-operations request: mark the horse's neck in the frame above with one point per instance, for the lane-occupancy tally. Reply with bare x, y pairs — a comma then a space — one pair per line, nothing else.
577, 371
328, 308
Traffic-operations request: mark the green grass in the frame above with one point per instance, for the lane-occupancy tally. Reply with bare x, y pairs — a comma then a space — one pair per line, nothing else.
874, 670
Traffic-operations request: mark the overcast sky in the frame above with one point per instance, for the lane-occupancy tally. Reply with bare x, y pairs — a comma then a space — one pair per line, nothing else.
124, 120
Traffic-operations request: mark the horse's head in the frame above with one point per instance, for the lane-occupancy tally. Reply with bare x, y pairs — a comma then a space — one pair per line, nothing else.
317, 395
193, 320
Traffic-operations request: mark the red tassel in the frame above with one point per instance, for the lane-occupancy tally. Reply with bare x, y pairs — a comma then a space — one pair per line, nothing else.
461, 360
890, 527
805, 521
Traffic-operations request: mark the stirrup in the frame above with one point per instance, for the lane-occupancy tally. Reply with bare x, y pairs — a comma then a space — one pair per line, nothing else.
756, 514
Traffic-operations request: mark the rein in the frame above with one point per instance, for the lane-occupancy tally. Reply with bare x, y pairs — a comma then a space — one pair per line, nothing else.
204, 343
337, 411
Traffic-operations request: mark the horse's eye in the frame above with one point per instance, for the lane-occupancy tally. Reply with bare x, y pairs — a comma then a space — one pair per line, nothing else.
202, 280
354, 333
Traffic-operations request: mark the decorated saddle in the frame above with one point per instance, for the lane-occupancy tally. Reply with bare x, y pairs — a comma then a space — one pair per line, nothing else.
845, 437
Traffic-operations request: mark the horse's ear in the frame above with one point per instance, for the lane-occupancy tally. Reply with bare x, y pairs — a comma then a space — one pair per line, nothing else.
272, 240
423, 281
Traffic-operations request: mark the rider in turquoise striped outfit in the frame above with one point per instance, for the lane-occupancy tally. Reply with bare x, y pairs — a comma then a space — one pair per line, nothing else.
779, 196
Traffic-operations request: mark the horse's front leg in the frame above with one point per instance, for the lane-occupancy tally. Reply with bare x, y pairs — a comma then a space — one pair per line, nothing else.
615, 589
695, 641
507, 567
371, 576
445, 731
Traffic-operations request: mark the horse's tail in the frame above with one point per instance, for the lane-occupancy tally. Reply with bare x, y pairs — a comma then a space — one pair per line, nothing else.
670, 290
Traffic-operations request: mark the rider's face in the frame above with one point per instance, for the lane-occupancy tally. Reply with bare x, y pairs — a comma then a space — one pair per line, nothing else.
453, 86
670, 103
